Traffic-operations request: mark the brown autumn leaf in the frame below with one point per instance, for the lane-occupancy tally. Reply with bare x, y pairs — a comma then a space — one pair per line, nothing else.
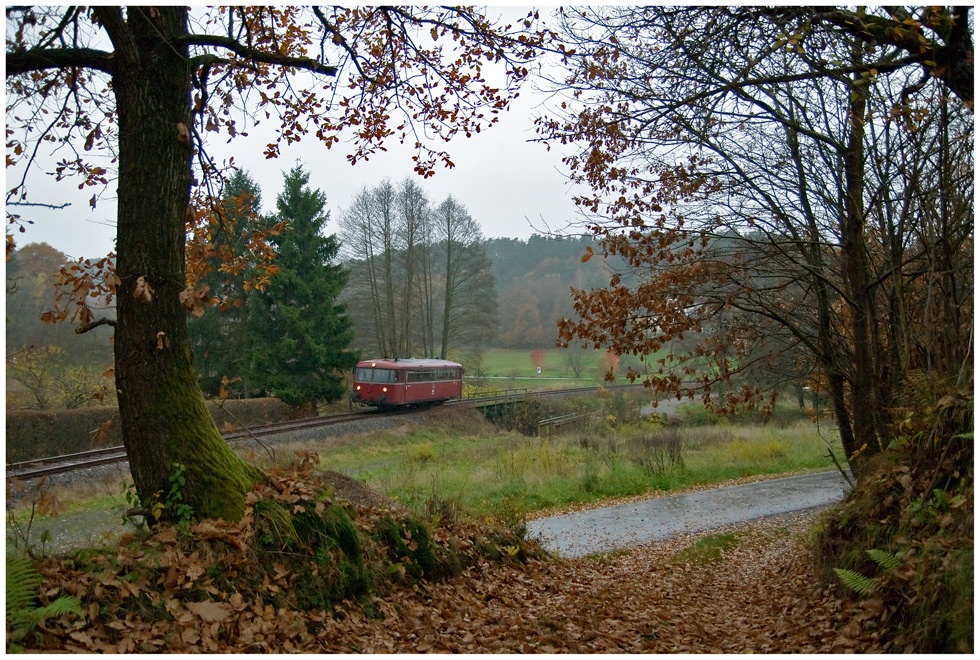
143, 290
196, 299
167, 535
210, 611
183, 135
228, 427
210, 529
101, 434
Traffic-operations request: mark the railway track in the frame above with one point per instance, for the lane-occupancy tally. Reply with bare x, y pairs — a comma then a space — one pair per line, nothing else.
57, 464
35, 469
66, 463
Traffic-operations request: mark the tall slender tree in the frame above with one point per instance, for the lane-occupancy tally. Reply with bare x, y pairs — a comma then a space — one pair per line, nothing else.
414, 221
469, 306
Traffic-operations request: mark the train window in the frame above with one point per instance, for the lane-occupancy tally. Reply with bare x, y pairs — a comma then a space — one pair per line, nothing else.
367, 375
429, 375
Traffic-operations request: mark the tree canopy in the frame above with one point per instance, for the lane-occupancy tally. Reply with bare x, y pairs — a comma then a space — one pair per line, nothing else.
129, 97
787, 187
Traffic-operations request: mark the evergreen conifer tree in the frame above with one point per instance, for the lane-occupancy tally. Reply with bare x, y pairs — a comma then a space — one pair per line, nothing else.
298, 334
218, 335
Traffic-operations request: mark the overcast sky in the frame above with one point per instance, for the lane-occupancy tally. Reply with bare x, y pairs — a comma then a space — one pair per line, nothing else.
511, 186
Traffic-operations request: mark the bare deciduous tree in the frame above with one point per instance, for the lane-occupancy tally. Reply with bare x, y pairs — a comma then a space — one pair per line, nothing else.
745, 162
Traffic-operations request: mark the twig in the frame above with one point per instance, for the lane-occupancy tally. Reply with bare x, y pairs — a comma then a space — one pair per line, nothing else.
271, 452
847, 477
41, 204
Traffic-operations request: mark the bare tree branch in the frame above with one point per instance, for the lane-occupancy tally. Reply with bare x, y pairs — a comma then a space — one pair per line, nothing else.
251, 54
81, 330
19, 63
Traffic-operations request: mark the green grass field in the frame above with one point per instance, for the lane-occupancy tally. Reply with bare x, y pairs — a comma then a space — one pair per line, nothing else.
461, 462
516, 365
457, 463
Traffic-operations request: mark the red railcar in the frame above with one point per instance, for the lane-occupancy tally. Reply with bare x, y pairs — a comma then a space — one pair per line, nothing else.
390, 383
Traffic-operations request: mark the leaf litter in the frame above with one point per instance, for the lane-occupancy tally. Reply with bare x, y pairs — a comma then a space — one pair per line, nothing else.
197, 592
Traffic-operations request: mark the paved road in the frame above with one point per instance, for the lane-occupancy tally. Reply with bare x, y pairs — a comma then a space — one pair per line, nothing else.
628, 525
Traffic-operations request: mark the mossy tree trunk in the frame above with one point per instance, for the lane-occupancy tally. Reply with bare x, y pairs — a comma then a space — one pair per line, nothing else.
164, 417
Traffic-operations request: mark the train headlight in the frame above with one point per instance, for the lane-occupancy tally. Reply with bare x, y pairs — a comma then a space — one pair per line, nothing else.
384, 389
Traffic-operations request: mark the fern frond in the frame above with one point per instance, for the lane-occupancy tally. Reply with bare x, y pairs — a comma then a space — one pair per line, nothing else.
885, 560
59, 607
22, 585
860, 584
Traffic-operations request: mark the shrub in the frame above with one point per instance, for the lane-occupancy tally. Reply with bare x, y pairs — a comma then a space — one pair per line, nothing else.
658, 452
422, 452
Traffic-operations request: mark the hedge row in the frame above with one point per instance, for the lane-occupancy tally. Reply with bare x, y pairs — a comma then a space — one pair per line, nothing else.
33, 434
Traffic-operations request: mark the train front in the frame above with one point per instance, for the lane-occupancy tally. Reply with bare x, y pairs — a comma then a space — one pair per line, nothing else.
374, 383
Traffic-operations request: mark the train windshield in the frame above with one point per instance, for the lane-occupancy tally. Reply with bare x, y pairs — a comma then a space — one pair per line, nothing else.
369, 375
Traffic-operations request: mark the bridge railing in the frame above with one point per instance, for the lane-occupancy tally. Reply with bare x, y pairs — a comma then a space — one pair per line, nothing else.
500, 397
552, 424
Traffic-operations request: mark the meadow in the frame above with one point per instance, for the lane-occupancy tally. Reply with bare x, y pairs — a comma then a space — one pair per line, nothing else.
516, 368
459, 463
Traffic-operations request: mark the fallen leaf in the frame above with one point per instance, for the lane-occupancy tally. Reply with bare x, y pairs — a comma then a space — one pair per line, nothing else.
210, 610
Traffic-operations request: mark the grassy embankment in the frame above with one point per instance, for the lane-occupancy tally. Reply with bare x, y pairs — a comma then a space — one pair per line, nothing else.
464, 463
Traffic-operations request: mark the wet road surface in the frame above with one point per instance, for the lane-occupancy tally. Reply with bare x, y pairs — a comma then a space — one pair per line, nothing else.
638, 523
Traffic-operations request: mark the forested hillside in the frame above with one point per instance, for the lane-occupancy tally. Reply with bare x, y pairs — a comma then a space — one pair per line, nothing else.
534, 281
48, 365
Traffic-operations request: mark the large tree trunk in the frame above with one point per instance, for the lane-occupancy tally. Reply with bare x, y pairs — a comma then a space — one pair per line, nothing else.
165, 421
